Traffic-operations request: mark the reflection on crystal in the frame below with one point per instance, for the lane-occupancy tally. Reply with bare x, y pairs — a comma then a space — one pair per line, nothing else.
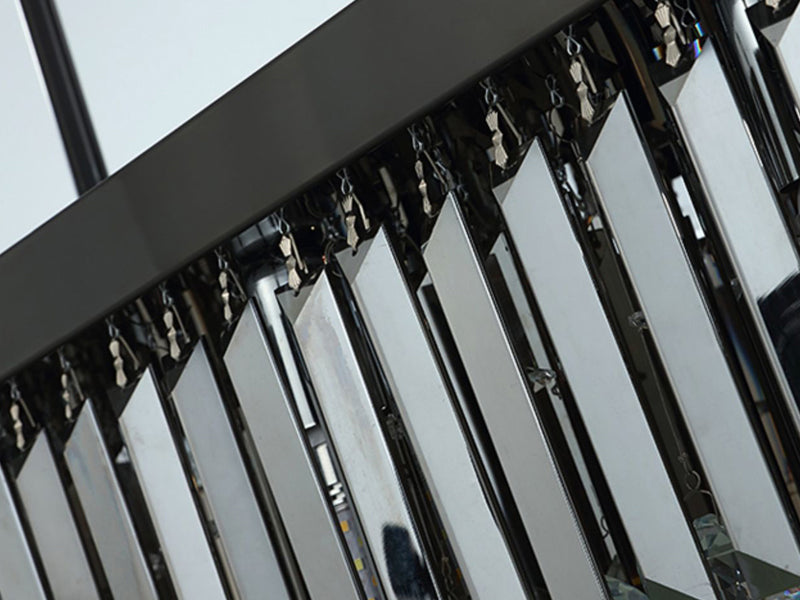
623, 591
739, 575
407, 573
792, 594
713, 538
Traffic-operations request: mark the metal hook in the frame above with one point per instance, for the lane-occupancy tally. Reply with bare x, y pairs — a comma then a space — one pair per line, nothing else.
62, 360
284, 227
279, 222
166, 298
573, 45
556, 99
441, 172
416, 140
16, 395
692, 479
687, 18
222, 263
347, 185
113, 330
490, 95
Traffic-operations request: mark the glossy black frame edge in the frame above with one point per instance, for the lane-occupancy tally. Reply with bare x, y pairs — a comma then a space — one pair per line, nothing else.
77, 132
374, 67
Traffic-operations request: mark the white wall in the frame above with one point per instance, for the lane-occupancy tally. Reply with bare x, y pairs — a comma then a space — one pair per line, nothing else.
147, 66
35, 180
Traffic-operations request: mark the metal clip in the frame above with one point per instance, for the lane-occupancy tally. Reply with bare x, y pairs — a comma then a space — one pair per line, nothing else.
285, 246
352, 234
637, 320
542, 379
115, 347
493, 122
291, 254
664, 18
581, 77
172, 334
172, 322
69, 386
20, 436
225, 295
419, 169
226, 275
499, 151
66, 396
576, 71
18, 405
349, 202
66, 393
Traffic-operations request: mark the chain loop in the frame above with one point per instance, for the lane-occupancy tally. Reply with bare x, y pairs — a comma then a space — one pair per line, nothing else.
556, 99
574, 47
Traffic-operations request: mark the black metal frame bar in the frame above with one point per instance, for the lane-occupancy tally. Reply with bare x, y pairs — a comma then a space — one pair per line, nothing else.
80, 142
371, 69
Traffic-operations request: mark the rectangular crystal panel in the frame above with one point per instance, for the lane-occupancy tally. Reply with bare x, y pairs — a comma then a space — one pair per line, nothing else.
346, 404
556, 269
53, 525
718, 141
167, 493
105, 510
511, 278
424, 403
268, 410
687, 342
277, 330
230, 496
740, 199
507, 407
18, 575
784, 37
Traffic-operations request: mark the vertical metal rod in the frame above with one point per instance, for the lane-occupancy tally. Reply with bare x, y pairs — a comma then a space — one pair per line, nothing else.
77, 132
687, 342
53, 525
222, 473
426, 408
556, 270
105, 510
167, 494
346, 403
508, 409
